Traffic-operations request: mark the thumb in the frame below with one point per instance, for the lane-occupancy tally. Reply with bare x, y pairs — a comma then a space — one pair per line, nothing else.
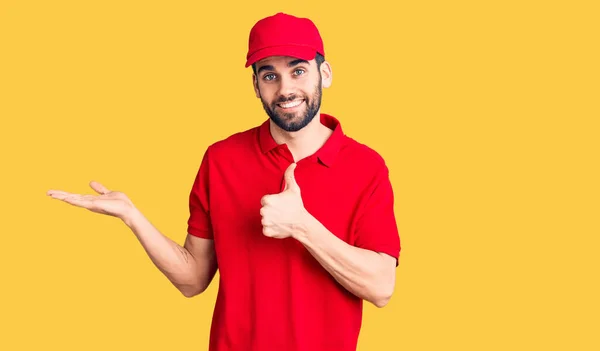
290, 179
99, 188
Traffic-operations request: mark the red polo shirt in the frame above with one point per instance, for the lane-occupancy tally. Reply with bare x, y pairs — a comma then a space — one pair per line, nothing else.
273, 294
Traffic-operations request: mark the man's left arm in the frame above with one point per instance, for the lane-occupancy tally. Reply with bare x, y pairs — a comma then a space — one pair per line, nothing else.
367, 265
367, 274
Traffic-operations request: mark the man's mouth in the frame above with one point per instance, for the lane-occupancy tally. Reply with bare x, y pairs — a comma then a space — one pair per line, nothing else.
291, 104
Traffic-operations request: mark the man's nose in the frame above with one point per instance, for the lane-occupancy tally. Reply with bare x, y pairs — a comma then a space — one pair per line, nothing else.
286, 86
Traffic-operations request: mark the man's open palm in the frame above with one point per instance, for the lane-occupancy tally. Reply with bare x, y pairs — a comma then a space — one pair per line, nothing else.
108, 202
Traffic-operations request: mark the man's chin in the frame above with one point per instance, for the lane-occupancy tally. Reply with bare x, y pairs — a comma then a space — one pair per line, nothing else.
293, 124
292, 128
287, 123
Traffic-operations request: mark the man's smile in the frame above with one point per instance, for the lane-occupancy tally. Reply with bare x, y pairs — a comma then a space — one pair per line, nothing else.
291, 104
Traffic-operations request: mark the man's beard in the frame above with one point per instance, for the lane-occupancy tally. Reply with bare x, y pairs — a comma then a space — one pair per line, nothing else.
285, 120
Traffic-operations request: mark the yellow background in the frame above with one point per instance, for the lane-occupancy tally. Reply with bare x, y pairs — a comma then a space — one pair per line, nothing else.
486, 112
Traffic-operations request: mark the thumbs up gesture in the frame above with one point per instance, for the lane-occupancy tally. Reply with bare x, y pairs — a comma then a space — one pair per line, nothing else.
284, 214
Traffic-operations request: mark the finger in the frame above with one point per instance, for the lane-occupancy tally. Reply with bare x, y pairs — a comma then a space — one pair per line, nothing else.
99, 188
269, 231
60, 195
57, 192
290, 179
266, 222
77, 201
265, 200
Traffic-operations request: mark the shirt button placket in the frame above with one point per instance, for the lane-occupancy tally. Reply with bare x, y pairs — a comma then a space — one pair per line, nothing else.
285, 161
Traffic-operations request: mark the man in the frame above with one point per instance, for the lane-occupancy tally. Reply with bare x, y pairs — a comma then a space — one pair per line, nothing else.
296, 216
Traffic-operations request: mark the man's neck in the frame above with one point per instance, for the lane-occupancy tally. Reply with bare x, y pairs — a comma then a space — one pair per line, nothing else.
304, 142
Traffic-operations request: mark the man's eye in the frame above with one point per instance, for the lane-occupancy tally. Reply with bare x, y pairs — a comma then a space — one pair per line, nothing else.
299, 71
269, 77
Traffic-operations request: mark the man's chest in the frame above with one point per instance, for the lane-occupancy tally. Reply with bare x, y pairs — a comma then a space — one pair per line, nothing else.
332, 198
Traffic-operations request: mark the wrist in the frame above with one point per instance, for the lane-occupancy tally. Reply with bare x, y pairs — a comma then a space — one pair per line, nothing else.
305, 227
131, 216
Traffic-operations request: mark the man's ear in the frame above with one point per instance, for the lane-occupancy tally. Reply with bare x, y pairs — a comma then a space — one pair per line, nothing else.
255, 85
326, 74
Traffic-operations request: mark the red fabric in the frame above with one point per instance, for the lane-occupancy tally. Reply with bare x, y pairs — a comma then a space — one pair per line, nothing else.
284, 35
273, 294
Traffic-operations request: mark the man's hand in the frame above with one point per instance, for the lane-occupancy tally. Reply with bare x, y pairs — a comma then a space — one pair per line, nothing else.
284, 214
112, 203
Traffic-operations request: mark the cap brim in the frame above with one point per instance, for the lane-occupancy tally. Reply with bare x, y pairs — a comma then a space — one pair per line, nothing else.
301, 52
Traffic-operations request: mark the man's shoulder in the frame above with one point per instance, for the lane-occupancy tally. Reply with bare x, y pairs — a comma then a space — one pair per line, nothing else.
236, 142
362, 154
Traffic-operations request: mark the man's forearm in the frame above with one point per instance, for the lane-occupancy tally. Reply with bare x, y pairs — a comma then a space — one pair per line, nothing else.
173, 260
366, 274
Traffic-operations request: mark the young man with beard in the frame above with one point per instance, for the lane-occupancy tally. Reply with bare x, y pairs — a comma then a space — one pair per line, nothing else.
297, 217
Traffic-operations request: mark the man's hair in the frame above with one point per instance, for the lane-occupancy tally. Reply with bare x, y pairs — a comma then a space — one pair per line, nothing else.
318, 58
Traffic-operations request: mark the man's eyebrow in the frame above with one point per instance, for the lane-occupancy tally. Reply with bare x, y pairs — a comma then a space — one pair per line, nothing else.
296, 62
290, 64
265, 68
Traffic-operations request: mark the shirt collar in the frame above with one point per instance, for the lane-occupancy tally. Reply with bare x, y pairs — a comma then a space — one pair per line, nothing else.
326, 154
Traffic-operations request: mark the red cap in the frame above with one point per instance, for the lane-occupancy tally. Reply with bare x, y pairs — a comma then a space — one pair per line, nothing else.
284, 35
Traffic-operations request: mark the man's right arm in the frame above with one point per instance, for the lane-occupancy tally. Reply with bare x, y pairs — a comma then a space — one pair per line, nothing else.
190, 268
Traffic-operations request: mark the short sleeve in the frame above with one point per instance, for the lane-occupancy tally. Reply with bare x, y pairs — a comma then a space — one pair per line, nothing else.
376, 227
199, 223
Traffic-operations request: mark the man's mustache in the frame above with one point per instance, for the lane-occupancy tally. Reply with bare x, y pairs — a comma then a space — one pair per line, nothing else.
283, 99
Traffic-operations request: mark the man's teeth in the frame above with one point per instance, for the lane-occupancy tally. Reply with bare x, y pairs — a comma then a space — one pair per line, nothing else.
291, 104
